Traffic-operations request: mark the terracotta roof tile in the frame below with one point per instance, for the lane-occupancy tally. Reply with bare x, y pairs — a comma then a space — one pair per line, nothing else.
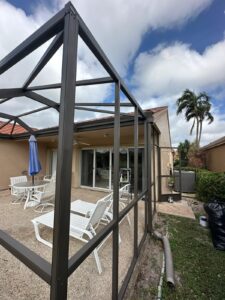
8, 128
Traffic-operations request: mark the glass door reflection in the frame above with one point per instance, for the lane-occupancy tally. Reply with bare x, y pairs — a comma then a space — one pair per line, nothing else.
102, 170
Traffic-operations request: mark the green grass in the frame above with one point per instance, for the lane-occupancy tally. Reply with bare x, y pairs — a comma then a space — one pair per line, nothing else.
199, 267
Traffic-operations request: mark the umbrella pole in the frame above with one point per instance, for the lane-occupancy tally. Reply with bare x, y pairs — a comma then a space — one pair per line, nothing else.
33, 179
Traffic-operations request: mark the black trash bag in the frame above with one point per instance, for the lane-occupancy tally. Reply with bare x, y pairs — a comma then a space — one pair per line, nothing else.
216, 213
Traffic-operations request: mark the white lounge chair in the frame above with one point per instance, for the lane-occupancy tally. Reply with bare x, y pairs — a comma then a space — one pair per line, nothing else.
82, 228
18, 193
85, 208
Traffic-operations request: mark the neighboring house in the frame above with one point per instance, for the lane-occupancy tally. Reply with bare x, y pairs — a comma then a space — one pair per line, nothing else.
93, 151
215, 155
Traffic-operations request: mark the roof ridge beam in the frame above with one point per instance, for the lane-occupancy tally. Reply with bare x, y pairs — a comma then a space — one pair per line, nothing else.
93, 45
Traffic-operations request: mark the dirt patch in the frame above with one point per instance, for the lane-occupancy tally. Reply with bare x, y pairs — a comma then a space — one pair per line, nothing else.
149, 269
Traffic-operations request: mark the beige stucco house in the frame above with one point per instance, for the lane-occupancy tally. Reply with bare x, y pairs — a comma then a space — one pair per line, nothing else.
215, 155
93, 152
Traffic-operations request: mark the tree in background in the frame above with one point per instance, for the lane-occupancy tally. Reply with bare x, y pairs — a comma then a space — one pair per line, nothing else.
196, 108
183, 149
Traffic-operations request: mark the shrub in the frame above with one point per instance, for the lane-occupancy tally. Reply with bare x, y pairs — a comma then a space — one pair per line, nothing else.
196, 158
210, 186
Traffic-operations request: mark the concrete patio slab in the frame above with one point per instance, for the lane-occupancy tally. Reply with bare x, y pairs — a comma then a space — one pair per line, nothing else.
178, 208
18, 282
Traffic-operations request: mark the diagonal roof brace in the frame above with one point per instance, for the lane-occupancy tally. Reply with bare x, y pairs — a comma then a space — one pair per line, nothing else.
16, 119
4, 124
42, 99
54, 46
5, 100
24, 125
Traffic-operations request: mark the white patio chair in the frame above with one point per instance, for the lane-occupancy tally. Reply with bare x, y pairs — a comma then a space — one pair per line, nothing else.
81, 228
125, 198
44, 198
125, 195
50, 178
18, 193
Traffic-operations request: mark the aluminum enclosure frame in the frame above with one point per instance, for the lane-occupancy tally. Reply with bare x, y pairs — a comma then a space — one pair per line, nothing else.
163, 197
66, 26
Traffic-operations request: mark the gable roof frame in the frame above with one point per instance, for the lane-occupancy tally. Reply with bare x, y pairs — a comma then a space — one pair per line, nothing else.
66, 26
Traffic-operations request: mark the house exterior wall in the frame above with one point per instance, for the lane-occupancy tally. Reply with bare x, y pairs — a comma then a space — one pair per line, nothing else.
76, 173
14, 154
162, 121
14, 160
215, 158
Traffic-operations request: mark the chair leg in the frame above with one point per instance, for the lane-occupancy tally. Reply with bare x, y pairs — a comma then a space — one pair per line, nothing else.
37, 234
97, 261
27, 199
91, 234
18, 199
128, 219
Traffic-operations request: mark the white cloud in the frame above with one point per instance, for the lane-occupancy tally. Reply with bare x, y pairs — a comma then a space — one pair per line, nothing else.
161, 75
119, 28
169, 69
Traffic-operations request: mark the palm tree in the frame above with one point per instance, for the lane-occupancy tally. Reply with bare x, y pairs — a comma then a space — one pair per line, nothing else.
204, 112
197, 108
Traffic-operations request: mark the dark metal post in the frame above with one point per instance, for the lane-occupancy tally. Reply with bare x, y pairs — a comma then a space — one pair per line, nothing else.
146, 171
154, 177
64, 161
136, 182
180, 180
116, 153
149, 177
159, 173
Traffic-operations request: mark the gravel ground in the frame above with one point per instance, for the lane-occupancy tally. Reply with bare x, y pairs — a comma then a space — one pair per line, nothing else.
18, 282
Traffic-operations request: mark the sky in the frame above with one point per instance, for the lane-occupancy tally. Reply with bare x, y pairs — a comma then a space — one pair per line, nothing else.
159, 47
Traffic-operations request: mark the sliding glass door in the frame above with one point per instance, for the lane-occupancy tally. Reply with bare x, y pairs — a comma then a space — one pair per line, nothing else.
102, 168
97, 167
140, 167
87, 167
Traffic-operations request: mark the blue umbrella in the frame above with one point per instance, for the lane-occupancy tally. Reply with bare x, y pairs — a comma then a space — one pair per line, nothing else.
34, 163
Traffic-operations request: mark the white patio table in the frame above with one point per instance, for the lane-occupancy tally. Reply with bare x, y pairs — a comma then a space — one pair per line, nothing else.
30, 187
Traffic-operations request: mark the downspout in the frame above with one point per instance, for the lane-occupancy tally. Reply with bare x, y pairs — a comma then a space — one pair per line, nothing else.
168, 258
